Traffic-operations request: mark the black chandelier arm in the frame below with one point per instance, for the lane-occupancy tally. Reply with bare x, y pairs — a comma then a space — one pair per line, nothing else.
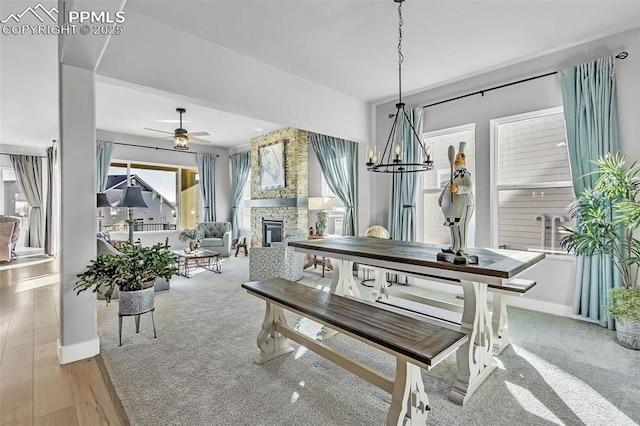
389, 139
413, 129
400, 55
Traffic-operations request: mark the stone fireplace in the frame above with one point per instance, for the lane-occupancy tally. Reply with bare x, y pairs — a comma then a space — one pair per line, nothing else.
288, 204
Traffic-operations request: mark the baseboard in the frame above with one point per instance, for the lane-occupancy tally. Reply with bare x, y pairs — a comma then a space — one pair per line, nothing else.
540, 306
78, 351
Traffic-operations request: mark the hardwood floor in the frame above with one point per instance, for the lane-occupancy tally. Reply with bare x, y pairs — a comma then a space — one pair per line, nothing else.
34, 388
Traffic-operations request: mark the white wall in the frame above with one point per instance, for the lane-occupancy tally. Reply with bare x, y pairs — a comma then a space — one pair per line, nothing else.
229, 81
174, 158
534, 95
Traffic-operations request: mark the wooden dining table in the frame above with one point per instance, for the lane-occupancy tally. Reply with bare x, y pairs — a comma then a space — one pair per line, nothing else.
496, 270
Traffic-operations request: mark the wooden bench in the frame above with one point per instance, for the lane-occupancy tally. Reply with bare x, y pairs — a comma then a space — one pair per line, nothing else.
415, 343
513, 287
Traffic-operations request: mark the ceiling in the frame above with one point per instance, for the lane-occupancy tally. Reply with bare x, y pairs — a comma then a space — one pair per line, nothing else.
347, 46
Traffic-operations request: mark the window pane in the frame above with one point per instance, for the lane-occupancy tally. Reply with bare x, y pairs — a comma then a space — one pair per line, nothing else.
433, 181
532, 150
190, 200
158, 184
533, 218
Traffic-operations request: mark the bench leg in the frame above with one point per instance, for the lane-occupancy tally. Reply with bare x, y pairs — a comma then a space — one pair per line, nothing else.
475, 357
271, 343
500, 324
409, 401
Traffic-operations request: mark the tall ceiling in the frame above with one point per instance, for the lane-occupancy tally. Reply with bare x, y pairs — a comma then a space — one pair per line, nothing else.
346, 50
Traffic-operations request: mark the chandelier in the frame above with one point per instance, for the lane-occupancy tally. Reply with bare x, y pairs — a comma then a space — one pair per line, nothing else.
390, 159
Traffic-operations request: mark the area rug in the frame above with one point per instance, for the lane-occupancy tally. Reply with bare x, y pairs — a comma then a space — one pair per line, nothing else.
200, 370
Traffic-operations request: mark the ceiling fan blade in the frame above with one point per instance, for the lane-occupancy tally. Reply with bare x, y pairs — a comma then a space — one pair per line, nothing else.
156, 130
198, 140
197, 134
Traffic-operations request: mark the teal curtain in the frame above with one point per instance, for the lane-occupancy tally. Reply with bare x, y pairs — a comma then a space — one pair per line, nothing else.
240, 168
207, 172
591, 116
50, 218
28, 170
402, 208
338, 161
103, 159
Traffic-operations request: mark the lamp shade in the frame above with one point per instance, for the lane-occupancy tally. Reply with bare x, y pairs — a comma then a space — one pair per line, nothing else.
132, 197
320, 203
103, 201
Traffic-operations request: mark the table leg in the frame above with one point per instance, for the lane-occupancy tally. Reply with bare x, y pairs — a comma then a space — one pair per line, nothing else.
474, 358
343, 284
500, 324
380, 283
271, 343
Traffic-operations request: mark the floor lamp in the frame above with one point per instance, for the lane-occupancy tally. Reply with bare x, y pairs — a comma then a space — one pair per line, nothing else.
131, 197
102, 201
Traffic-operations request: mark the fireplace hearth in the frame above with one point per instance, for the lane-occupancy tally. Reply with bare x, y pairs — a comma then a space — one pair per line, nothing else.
271, 231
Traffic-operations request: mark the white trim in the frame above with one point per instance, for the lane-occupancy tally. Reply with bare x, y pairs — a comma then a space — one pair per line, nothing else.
78, 351
449, 130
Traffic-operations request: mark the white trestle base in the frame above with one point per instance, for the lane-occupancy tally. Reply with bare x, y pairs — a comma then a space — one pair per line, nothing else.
500, 324
272, 344
409, 401
475, 357
343, 284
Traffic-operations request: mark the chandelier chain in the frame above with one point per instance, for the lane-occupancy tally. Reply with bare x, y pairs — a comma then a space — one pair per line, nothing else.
400, 22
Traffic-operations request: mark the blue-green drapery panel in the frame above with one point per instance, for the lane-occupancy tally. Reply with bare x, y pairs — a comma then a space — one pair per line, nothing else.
28, 170
50, 219
103, 160
207, 172
240, 168
591, 116
338, 161
402, 209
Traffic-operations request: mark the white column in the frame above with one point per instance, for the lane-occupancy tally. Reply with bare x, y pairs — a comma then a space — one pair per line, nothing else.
77, 158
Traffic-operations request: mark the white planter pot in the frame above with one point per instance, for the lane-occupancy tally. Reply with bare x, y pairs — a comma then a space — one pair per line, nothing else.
135, 302
628, 334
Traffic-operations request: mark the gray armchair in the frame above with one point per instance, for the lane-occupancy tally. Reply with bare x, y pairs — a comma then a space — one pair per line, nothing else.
215, 236
277, 261
13, 235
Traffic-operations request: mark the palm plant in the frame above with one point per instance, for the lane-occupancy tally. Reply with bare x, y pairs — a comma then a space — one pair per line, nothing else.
606, 217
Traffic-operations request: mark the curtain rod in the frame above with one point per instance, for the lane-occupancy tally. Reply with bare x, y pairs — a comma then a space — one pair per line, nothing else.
30, 155
158, 149
621, 55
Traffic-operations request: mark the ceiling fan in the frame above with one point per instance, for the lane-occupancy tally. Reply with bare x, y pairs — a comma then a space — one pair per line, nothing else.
181, 136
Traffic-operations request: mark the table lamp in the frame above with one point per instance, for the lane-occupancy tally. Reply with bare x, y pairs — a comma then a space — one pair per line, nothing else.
102, 201
131, 198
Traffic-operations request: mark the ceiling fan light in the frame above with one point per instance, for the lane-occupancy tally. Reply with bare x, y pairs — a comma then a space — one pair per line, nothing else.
180, 142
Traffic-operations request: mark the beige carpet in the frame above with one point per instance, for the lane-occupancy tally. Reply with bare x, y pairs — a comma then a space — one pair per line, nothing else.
200, 370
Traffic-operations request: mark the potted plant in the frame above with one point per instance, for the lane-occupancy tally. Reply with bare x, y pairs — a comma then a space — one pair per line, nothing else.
190, 236
132, 272
607, 216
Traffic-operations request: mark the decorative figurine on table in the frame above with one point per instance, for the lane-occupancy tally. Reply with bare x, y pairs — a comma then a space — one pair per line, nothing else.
457, 203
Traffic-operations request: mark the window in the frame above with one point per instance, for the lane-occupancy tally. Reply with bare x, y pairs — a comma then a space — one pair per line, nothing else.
433, 181
335, 216
532, 180
171, 194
